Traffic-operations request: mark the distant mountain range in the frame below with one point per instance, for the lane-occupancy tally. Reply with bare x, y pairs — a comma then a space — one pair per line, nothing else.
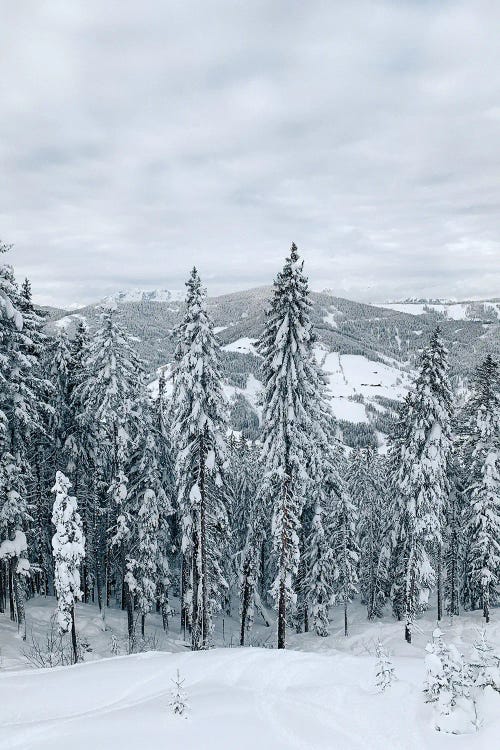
367, 351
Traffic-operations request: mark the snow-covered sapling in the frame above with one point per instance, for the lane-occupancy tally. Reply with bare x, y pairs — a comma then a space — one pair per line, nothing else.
384, 669
178, 701
449, 685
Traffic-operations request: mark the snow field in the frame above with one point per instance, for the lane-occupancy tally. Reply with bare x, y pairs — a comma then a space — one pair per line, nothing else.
317, 695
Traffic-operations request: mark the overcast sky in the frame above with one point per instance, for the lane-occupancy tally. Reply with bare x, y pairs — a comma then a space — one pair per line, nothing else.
140, 138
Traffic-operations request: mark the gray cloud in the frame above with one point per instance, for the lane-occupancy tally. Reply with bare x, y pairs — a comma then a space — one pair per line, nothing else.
138, 139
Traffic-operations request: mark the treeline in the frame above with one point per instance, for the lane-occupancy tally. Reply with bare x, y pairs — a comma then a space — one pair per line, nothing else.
113, 496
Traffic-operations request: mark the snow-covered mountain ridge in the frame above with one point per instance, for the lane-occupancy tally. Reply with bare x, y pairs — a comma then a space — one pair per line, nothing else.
367, 351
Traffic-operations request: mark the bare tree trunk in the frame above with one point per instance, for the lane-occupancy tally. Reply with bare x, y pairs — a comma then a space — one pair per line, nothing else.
439, 585
74, 641
282, 616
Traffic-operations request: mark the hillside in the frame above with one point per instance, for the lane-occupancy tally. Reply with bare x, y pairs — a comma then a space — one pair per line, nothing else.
367, 351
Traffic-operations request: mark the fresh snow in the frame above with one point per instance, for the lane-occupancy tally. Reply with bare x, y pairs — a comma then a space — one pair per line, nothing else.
244, 345
320, 694
452, 310
69, 320
153, 295
352, 375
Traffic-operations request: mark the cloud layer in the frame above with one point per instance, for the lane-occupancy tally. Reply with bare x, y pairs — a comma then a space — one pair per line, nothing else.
137, 139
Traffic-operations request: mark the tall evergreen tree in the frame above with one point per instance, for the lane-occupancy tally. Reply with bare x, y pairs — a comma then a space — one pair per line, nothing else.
419, 460
199, 426
366, 486
482, 491
290, 386
107, 395
68, 544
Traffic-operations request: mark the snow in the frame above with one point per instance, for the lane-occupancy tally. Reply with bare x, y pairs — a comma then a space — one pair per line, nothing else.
14, 547
355, 375
152, 295
69, 320
452, 310
244, 345
319, 694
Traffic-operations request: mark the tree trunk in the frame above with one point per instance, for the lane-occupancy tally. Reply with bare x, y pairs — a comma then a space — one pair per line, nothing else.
12, 605
203, 553
439, 585
408, 633
282, 616
245, 603
74, 641
130, 620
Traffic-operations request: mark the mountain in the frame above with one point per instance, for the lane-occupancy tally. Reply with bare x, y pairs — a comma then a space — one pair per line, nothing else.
484, 311
367, 351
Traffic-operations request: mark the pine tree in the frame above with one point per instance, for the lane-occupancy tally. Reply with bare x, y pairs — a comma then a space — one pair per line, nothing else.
199, 426
448, 678
346, 552
419, 462
178, 700
482, 459
384, 670
147, 561
68, 544
321, 569
366, 487
290, 378
107, 394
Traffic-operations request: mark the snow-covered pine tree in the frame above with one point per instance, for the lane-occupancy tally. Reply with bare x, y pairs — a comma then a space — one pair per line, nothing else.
199, 427
384, 669
290, 378
454, 546
482, 491
68, 544
419, 461
178, 699
320, 562
448, 678
147, 560
346, 552
366, 486
169, 527
251, 566
107, 394
80, 452
22, 406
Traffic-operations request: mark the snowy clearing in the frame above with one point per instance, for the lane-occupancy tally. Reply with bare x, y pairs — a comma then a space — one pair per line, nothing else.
317, 695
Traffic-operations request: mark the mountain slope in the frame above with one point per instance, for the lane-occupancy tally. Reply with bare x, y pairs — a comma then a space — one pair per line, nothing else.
367, 351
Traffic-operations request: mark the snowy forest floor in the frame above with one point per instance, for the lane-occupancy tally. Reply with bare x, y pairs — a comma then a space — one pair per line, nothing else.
319, 694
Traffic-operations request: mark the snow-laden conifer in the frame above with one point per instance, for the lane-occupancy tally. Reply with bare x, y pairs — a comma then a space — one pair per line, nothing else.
482, 490
68, 544
199, 427
368, 492
289, 389
384, 668
419, 461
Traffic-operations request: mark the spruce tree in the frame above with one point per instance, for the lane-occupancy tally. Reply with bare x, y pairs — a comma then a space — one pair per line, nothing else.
199, 427
107, 394
482, 491
290, 380
419, 461
68, 544
367, 489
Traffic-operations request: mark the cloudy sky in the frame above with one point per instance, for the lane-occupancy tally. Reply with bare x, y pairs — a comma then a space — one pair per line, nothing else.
139, 138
